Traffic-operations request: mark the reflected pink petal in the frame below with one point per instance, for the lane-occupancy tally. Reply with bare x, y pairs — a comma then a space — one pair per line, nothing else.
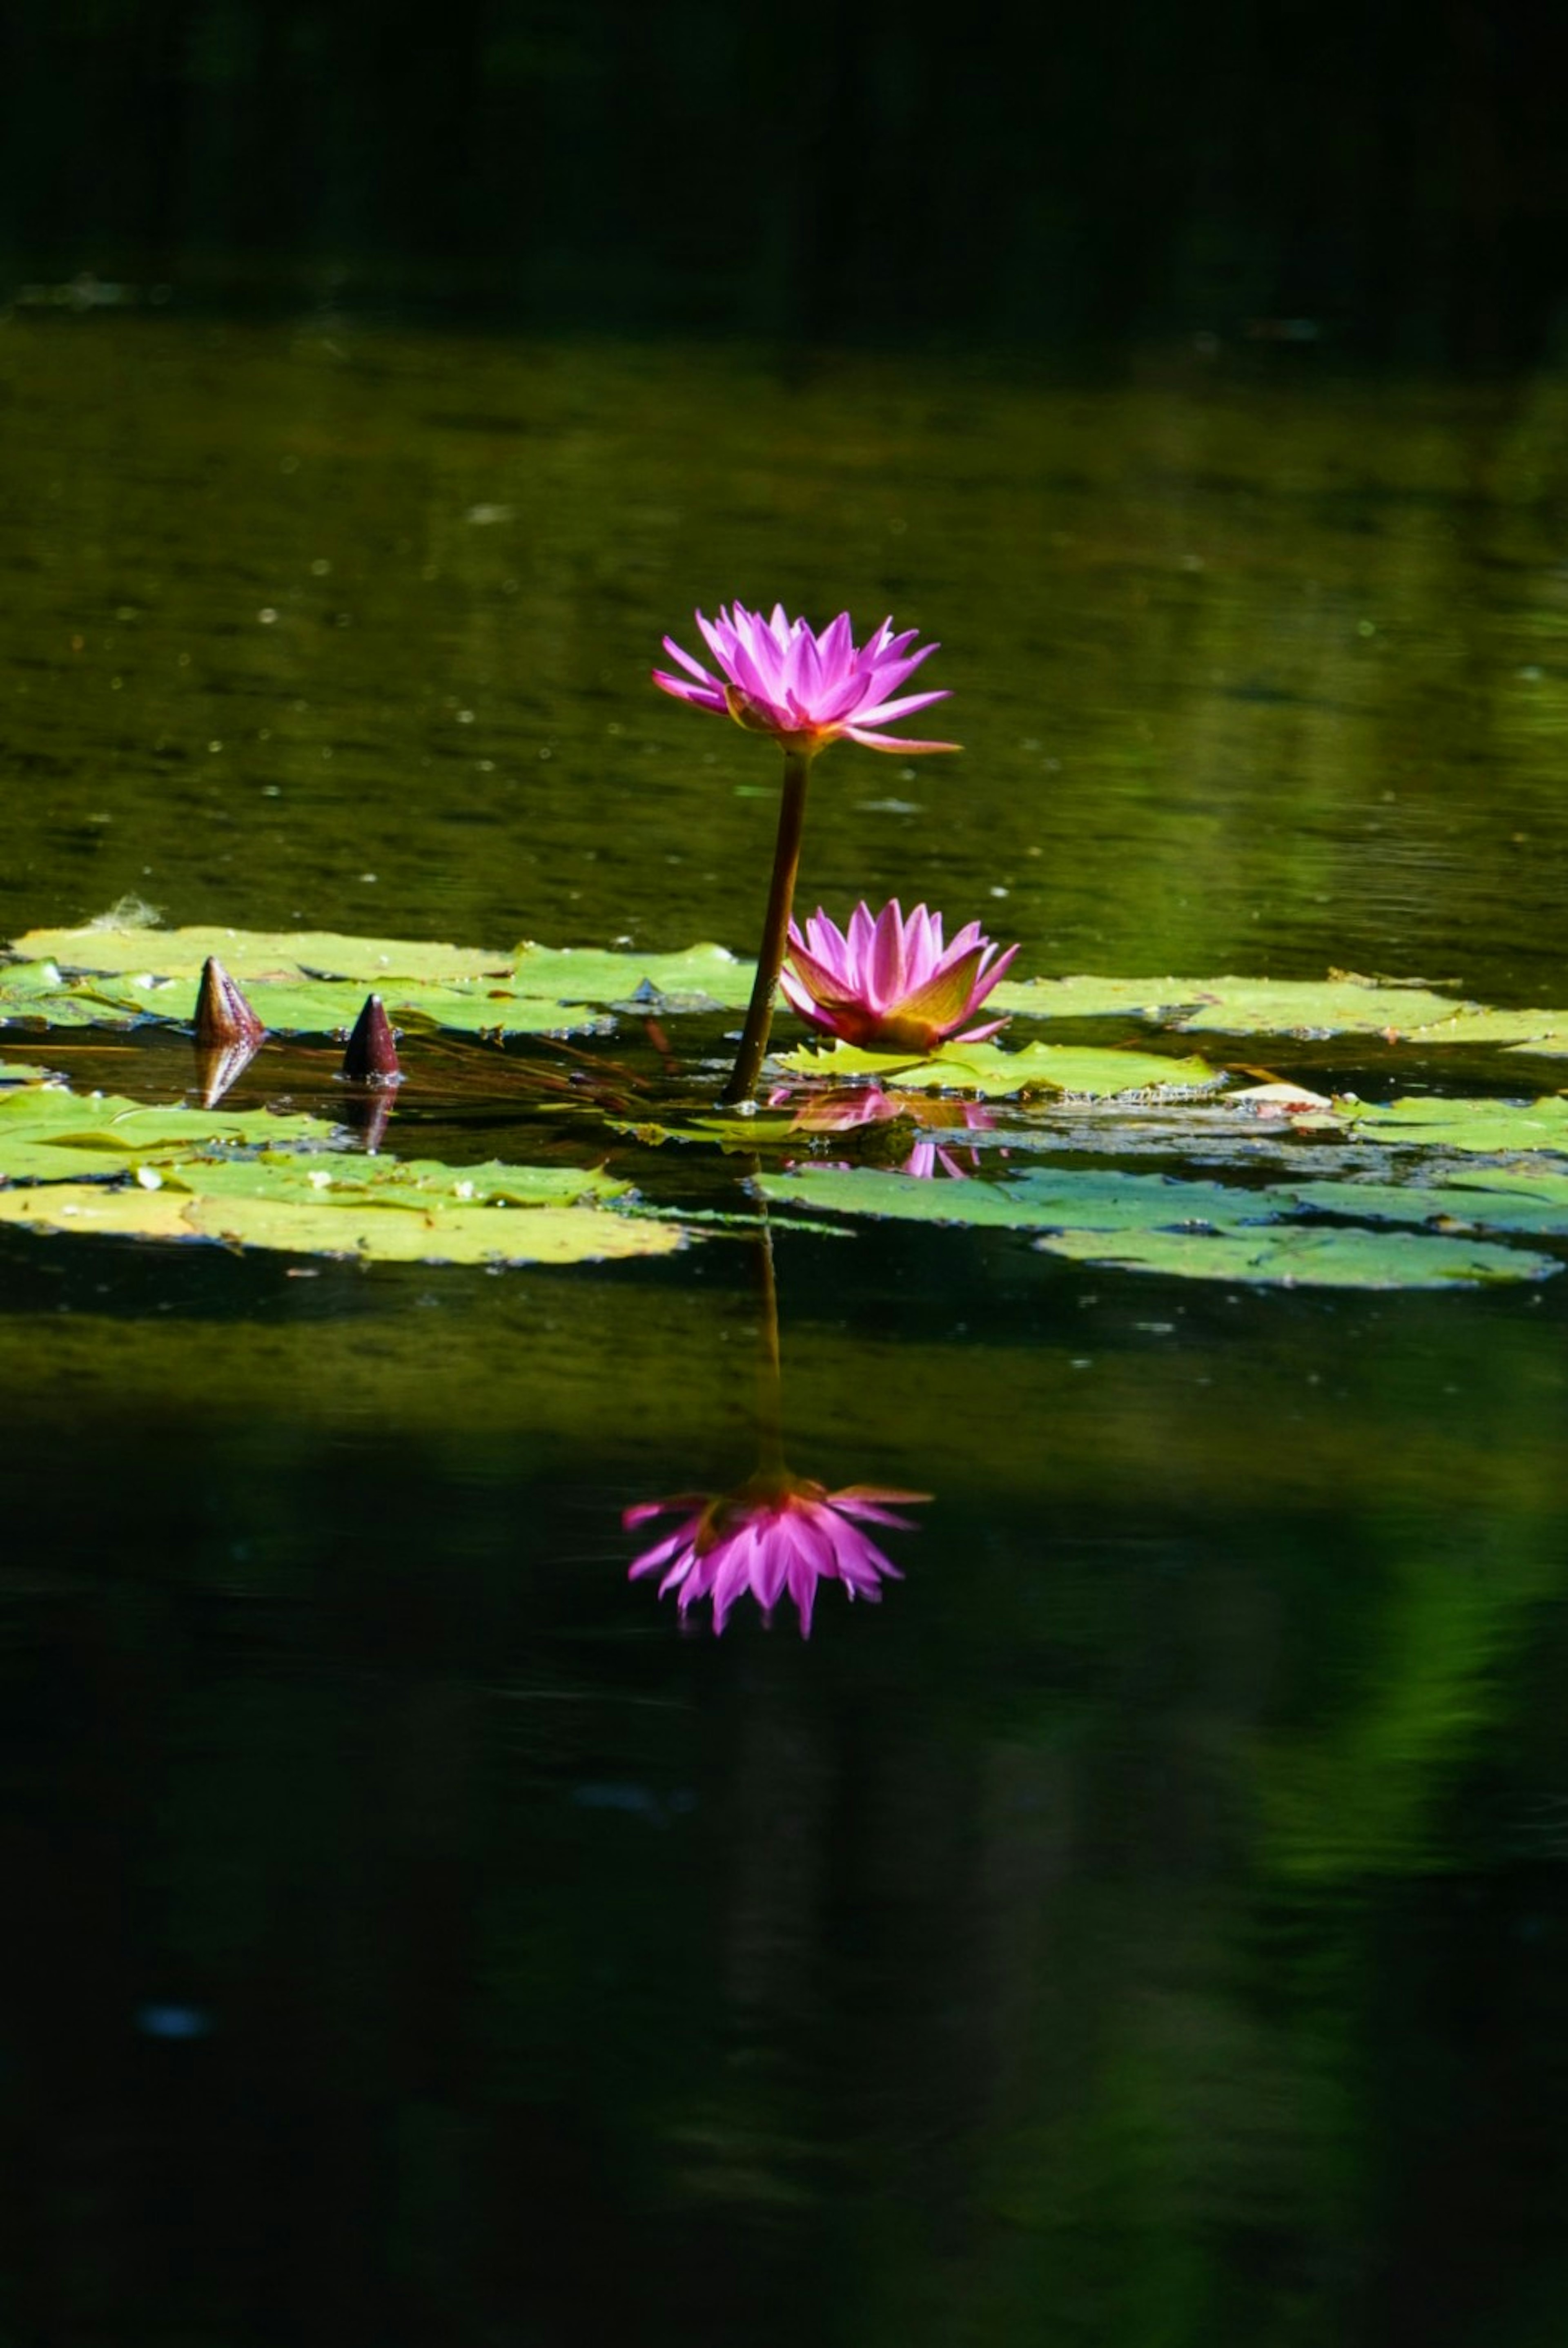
775, 1533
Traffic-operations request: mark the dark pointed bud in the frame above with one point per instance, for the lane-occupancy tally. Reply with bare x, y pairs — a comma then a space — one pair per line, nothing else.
218, 1066
370, 1056
223, 1013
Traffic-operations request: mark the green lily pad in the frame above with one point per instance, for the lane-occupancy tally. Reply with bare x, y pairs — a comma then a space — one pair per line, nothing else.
1299, 1256
424, 1185
1428, 1121
1085, 997
301, 1005
1048, 1198
313, 983
702, 977
257, 1180
48, 1133
996, 1074
1335, 1006
38, 995
1191, 1230
1517, 1031
251, 955
1497, 1202
298, 1220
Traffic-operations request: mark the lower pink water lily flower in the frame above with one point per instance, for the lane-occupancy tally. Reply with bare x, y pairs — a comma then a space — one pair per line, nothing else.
777, 675
775, 1533
891, 985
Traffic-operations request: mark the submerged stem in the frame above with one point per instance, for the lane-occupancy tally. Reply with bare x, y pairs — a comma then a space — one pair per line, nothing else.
743, 1081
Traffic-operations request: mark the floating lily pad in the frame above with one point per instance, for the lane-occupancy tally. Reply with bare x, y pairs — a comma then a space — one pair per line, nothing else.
323, 1006
996, 1074
313, 983
292, 1216
252, 955
307, 977
1428, 1121
119, 1167
1206, 1230
1496, 1202
424, 1184
39, 994
1085, 997
298, 1005
1301, 1256
702, 977
1518, 1031
1334, 1007
48, 1133
1048, 1198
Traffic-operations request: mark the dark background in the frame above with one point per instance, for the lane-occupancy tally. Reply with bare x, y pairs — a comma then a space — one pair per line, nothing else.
1390, 181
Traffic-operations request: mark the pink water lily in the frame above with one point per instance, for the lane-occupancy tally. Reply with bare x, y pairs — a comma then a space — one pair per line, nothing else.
891, 985
778, 676
775, 1533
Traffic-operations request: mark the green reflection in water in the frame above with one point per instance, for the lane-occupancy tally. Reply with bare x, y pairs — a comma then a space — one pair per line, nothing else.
1145, 1927
1249, 674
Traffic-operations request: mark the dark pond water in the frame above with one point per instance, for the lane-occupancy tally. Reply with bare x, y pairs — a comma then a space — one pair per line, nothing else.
1148, 1927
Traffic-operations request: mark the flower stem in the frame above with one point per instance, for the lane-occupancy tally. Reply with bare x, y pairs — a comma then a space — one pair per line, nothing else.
743, 1081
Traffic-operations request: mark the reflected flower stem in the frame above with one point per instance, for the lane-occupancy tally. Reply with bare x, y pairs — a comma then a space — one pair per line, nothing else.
770, 1372
743, 1085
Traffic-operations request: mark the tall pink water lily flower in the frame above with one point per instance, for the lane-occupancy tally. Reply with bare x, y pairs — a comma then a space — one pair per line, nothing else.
891, 985
777, 676
777, 1533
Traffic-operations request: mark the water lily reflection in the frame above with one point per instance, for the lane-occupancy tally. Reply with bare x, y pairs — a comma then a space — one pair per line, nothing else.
774, 1535
848, 1108
777, 1534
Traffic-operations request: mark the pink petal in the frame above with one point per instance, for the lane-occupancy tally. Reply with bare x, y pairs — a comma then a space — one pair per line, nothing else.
885, 973
718, 637
686, 661
861, 1563
701, 697
894, 742
653, 1558
773, 1552
921, 953
862, 930
877, 1504
832, 948
803, 1005
734, 1574
823, 983
946, 998
883, 711
642, 1512
802, 1590
838, 649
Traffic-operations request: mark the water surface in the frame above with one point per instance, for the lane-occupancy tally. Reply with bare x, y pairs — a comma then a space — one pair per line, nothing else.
1147, 1926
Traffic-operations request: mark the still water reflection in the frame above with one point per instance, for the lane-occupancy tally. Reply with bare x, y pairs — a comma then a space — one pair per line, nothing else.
1149, 1928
